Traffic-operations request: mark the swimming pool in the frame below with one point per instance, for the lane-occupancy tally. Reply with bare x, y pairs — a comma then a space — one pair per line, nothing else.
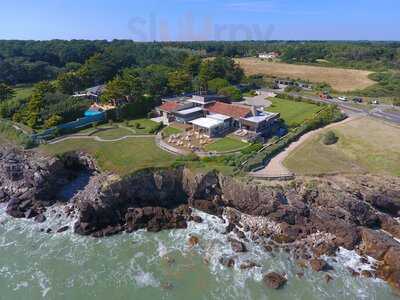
91, 113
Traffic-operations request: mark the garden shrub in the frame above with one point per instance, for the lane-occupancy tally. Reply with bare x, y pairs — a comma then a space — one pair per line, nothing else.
330, 138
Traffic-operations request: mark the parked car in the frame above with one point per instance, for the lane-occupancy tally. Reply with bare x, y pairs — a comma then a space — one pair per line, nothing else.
358, 100
375, 101
325, 95
342, 98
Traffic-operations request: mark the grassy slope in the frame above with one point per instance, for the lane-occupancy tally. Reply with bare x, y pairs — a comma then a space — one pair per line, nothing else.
292, 112
365, 145
122, 157
225, 144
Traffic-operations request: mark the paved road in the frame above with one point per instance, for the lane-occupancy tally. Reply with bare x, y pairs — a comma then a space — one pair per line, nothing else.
378, 112
259, 100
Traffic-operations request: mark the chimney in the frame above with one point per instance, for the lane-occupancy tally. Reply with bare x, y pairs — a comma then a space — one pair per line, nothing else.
254, 110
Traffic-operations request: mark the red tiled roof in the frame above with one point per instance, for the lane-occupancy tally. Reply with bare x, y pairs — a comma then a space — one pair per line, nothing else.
169, 106
231, 110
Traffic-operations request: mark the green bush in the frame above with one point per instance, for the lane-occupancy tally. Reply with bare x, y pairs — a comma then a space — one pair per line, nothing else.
17, 136
156, 128
330, 138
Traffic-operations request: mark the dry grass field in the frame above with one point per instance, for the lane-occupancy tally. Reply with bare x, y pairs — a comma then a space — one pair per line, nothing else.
365, 145
340, 79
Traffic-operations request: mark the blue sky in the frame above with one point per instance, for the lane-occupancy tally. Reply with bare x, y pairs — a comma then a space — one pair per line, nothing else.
200, 19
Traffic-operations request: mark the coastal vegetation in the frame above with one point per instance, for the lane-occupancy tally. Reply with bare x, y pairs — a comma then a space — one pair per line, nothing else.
364, 146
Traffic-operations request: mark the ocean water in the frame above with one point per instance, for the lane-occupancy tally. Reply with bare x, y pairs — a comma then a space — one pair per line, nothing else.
141, 265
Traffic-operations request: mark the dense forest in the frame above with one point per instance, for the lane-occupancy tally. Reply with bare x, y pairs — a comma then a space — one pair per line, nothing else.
33, 61
146, 72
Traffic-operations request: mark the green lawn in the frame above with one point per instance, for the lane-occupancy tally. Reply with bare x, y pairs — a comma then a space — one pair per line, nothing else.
292, 112
121, 157
365, 145
225, 144
168, 131
114, 133
145, 125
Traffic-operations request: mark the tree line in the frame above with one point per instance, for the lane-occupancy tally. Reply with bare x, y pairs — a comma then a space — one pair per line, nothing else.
33, 61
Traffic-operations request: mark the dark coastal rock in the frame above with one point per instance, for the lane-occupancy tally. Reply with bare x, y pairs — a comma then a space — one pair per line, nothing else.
305, 216
248, 265
30, 181
197, 219
40, 218
30, 213
353, 272
228, 262
240, 234
274, 280
206, 206
367, 274
328, 248
319, 265
154, 219
376, 244
229, 228
238, 246
62, 229
193, 241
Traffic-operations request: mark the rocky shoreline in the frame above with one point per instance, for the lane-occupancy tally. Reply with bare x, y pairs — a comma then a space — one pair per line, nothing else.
308, 217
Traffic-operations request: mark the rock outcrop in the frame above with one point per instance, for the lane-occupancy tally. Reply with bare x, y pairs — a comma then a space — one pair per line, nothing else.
308, 217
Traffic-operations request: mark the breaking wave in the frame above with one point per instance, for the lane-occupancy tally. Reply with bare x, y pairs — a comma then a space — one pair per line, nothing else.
142, 265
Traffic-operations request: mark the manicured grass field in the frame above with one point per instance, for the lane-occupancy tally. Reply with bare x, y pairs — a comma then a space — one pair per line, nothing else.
145, 125
121, 157
168, 131
225, 144
292, 112
365, 145
113, 133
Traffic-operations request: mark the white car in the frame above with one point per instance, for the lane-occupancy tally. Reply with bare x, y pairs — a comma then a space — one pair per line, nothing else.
342, 98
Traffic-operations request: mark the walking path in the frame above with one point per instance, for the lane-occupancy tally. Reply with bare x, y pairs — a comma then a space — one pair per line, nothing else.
276, 169
98, 139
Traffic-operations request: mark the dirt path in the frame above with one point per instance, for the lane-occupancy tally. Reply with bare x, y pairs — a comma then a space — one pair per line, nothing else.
275, 168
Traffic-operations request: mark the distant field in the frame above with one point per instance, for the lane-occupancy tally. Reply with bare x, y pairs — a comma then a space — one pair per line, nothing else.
365, 145
340, 79
292, 112
122, 157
